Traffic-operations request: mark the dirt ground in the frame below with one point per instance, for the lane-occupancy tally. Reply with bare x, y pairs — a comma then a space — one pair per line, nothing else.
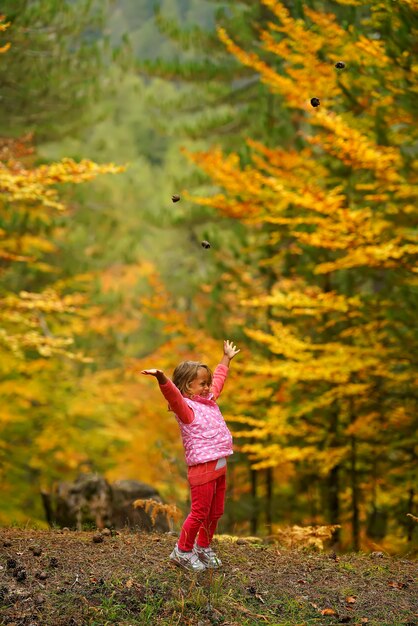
65, 578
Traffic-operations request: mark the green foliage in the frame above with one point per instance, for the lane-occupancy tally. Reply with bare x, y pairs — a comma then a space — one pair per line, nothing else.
57, 65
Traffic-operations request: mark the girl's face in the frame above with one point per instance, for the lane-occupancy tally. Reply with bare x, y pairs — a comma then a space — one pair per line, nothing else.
200, 386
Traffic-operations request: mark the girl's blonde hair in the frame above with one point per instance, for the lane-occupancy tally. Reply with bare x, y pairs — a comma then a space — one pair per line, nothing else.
186, 372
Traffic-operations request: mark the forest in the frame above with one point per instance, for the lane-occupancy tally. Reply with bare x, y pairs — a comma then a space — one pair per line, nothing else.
107, 109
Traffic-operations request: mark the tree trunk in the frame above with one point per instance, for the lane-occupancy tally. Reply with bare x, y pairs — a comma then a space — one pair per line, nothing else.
49, 513
355, 520
333, 482
269, 499
411, 522
254, 502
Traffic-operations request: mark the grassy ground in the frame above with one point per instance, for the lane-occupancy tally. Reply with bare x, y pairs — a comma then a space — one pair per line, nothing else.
66, 579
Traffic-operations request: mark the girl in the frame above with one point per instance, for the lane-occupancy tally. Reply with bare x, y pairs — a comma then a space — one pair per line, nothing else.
207, 442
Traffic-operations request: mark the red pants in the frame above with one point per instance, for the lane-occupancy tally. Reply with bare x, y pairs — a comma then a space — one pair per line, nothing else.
207, 507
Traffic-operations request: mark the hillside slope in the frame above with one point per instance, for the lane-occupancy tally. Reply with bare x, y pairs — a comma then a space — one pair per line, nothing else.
65, 578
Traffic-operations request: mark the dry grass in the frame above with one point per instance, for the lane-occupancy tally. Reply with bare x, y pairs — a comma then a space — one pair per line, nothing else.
127, 580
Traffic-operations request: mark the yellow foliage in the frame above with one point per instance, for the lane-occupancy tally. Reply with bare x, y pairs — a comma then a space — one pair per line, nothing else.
304, 536
155, 508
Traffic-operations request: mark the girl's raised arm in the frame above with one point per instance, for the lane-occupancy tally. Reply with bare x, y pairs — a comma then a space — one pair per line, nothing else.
172, 395
158, 374
230, 350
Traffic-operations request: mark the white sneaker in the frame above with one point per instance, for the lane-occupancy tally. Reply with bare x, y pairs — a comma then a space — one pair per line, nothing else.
208, 556
188, 560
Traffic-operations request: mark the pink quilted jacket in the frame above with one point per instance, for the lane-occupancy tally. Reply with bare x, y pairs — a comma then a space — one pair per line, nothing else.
207, 438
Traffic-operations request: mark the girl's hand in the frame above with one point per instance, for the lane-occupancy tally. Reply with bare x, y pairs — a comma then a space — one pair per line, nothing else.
158, 374
230, 350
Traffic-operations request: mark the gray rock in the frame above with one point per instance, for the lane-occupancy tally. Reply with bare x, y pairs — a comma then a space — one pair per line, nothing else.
91, 501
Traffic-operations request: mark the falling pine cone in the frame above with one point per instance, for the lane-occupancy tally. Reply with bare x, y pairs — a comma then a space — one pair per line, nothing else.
340, 65
205, 244
175, 198
315, 102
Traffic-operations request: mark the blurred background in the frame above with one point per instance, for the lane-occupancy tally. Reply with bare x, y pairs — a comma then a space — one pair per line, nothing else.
107, 109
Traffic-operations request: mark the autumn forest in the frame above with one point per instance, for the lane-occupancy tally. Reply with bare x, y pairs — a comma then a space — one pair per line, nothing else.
309, 208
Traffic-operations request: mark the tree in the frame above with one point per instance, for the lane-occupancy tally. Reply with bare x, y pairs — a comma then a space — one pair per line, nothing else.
58, 66
40, 319
333, 220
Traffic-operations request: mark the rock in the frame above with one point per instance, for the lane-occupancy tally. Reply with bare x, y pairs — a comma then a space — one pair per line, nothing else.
86, 501
92, 501
97, 538
124, 493
39, 599
377, 555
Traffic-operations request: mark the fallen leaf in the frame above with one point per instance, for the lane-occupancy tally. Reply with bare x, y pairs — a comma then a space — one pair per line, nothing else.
397, 585
129, 583
328, 612
302, 582
350, 599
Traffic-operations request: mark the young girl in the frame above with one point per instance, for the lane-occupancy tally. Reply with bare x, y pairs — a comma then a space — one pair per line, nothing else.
207, 442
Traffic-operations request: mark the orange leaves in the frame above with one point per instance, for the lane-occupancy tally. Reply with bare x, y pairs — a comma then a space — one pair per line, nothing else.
386, 255
354, 148
305, 536
34, 185
306, 301
328, 612
4, 26
28, 194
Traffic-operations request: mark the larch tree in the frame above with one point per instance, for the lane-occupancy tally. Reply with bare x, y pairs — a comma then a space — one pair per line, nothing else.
332, 218
43, 432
